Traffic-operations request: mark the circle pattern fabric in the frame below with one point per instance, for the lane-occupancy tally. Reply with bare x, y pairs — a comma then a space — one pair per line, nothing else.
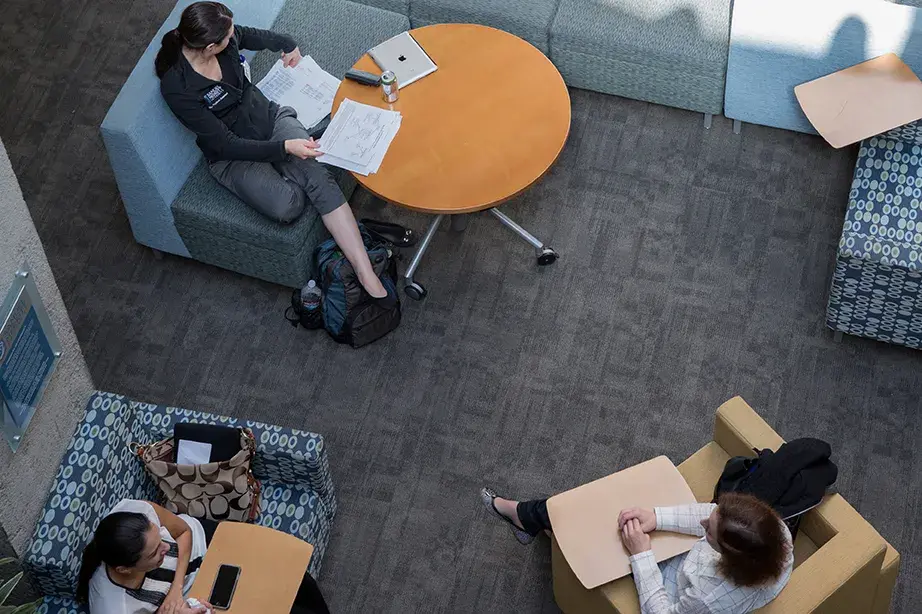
875, 289
910, 133
98, 470
884, 218
61, 605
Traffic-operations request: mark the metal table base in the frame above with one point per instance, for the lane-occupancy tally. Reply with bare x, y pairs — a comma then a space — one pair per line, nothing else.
413, 289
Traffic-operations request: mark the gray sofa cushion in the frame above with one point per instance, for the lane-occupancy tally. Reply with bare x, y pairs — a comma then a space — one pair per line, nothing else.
204, 204
676, 51
775, 46
654, 32
220, 229
528, 19
396, 6
355, 29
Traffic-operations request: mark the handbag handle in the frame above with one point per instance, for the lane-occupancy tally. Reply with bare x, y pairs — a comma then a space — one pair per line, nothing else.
295, 320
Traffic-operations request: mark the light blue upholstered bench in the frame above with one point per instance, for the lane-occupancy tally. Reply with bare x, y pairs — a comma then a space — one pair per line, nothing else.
98, 470
877, 285
777, 45
172, 202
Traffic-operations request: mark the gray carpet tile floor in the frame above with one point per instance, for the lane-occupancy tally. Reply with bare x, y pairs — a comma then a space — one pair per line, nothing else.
694, 266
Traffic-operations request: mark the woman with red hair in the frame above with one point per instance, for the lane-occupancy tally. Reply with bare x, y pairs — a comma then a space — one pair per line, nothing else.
743, 561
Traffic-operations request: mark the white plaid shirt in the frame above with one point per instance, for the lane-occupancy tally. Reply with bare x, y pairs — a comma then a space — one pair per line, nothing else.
690, 583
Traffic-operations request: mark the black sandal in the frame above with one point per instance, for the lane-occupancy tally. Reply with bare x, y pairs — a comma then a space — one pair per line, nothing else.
487, 495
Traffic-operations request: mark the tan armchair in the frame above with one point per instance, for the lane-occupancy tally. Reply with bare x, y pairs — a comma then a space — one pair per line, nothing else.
841, 564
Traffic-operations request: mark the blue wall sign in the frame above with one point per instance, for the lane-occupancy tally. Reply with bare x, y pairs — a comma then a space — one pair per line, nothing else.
29, 350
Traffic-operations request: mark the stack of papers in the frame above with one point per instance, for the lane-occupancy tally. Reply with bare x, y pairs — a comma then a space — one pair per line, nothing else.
307, 88
358, 137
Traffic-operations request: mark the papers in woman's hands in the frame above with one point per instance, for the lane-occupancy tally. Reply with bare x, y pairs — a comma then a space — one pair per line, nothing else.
307, 88
358, 137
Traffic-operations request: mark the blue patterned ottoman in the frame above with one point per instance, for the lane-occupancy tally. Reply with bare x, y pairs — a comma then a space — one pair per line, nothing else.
877, 286
62, 605
98, 470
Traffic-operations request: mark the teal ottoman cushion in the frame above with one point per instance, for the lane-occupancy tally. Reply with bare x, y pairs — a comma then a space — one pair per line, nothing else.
221, 229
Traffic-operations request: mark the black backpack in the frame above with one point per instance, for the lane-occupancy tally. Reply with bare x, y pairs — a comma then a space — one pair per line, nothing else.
350, 315
791, 480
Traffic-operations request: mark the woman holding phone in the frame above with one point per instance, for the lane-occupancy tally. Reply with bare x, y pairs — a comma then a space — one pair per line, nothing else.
143, 559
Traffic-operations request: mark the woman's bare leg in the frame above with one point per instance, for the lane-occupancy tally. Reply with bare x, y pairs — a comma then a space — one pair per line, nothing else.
345, 230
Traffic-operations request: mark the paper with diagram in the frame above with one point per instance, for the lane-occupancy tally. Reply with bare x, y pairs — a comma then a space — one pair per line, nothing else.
307, 88
358, 137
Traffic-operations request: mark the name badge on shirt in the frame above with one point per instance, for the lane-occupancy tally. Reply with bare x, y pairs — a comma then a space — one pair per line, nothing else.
214, 96
246, 67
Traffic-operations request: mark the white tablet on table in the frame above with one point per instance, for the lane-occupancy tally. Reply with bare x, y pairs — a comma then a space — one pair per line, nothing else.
404, 57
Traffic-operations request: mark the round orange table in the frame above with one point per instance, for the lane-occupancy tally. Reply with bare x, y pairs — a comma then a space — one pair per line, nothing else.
478, 131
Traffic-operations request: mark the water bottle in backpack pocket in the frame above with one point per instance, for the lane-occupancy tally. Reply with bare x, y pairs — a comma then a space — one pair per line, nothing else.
306, 307
350, 315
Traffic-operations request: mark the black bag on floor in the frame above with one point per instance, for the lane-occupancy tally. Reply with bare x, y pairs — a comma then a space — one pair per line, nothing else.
389, 233
350, 314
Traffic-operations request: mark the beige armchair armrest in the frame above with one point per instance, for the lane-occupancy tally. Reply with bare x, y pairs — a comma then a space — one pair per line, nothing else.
843, 574
738, 429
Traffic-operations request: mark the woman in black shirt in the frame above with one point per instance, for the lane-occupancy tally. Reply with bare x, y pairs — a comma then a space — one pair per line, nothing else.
254, 148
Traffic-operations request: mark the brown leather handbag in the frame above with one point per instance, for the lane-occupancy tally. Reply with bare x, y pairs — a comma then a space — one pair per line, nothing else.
224, 490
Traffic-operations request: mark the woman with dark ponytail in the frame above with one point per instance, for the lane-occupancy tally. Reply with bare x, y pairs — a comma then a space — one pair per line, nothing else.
254, 148
143, 559
120, 543
170, 48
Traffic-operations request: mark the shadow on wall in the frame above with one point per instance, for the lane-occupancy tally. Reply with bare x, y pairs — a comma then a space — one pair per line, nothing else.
771, 53
913, 46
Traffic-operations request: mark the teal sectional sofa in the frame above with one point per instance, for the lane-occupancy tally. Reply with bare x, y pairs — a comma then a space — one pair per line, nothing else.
644, 49
670, 52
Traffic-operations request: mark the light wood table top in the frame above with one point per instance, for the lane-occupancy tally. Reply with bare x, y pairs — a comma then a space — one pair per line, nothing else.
863, 100
272, 565
478, 131
585, 519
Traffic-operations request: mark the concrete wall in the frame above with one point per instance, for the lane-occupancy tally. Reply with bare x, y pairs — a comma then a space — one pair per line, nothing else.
26, 476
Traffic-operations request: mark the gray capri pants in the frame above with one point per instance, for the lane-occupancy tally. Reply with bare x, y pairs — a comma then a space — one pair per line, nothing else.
278, 189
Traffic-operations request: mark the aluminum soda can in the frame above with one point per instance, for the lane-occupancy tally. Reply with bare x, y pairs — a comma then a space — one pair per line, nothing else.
389, 86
